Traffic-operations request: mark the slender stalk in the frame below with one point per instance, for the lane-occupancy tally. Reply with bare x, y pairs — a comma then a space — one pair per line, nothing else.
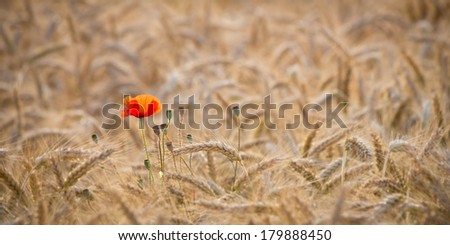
186, 164
180, 142
169, 142
19, 112
239, 135
142, 128
237, 113
344, 162
189, 138
162, 154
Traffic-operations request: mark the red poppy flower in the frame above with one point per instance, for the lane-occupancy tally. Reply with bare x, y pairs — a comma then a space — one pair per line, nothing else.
141, 106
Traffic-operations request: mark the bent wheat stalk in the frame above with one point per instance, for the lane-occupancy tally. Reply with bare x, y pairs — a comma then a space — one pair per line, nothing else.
223, 148
82, 169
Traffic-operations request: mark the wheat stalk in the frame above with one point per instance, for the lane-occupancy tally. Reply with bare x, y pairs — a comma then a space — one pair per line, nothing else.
258, 207
58, 174
202, 185
308, 141
379, 151
45, 132
83, 168
125, 209
35, 186
218, 146
438, 111
177, 193
387, 204
256, 169
330, 169
358, 149
63, 153
308, 175
254, 143
432, 142
11, 183
323, 144
211, 166
349, 174
386, 184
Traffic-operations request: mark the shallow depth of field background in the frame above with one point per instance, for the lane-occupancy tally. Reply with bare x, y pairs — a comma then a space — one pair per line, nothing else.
62, 61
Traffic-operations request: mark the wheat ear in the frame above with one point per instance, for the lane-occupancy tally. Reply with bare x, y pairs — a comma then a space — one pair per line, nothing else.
308, 142
432, 142
325, 174
83, 168
223, 148
11, 183
255, 169
308, 175
358, 149
379, 151
322, 145
202, 185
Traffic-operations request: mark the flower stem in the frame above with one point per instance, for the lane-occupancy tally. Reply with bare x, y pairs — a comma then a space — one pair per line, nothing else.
162, 155
239, 135
161, 165
239, 148
142, 128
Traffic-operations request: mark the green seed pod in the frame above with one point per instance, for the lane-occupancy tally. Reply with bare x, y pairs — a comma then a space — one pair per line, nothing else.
163, 127
169, 114
87, 194
94, 138
147, 164
236, 110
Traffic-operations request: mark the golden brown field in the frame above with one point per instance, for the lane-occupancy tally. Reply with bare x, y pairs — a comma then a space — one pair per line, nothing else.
62, 61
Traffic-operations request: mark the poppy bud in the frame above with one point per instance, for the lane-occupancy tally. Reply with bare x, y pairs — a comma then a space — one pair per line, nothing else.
169, 145
169, 114
157, 130
236, 110
189, 137
147, 164
94, 138
163, 127
87, 194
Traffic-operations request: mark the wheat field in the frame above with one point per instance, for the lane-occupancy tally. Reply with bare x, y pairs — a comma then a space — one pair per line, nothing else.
63, 61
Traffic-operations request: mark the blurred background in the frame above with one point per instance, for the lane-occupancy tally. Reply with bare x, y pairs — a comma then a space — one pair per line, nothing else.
62, 61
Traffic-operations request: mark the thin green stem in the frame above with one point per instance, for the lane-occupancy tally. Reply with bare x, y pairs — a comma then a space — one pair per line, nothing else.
160, 157
162, 154
142, 128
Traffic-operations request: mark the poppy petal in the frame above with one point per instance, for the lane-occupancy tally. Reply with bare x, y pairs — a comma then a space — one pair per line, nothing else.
125, 113
126, 101
141, 105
